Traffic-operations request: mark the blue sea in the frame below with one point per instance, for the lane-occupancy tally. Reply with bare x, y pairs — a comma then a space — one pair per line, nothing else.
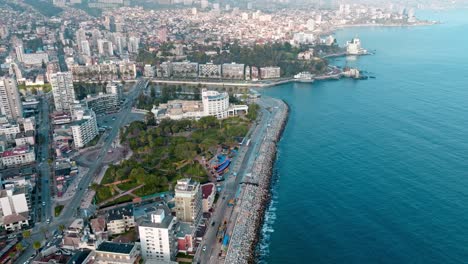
376, 171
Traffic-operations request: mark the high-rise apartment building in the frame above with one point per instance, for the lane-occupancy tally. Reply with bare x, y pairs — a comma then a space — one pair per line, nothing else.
84, 128
157, 232
62, 89
188, 201
10, 102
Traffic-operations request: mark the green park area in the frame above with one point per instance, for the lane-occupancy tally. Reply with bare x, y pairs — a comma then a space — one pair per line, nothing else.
170, 151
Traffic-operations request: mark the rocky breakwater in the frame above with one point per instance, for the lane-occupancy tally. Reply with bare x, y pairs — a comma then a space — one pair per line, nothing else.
255, 194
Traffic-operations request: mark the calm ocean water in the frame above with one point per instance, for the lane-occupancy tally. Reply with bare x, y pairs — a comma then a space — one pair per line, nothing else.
376, 171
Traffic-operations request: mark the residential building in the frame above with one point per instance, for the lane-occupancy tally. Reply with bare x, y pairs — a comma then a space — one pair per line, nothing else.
157, 235
103, 103
233, 71
62, 89
14, 209
149, 71
188, 201
10, 101
209, 70
114, 88
208, 193
127, 70
9, 130
105, 47
18, 156
270, 72
120, 219
185, 69
116, 253
84, 128
25, 138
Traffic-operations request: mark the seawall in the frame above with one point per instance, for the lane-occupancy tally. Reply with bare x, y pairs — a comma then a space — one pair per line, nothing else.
256, 193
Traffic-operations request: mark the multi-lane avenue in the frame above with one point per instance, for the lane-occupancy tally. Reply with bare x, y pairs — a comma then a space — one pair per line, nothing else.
43, 228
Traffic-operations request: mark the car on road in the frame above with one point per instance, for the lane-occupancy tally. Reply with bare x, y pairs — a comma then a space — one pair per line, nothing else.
43, 203
204, 248
213, 223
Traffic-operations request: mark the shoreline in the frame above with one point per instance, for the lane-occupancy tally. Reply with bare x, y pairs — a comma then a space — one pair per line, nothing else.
256, 194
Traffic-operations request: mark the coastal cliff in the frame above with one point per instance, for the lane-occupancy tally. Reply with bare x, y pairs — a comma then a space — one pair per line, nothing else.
256, 193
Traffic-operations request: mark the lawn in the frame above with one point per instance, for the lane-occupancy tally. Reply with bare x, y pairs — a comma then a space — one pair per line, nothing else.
127, 185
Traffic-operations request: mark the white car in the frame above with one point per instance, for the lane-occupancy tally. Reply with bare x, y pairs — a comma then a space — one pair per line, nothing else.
204, 248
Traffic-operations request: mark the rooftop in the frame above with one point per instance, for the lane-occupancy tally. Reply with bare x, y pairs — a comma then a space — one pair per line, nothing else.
120, 212
207, 190
120, 248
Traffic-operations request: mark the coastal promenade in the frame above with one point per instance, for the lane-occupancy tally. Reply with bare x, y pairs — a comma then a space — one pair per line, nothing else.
254, 193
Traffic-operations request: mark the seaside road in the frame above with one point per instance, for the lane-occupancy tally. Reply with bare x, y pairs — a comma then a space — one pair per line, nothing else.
232, 187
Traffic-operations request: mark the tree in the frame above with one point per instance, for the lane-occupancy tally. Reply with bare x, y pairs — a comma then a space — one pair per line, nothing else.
19, 247
150, 119
26, 234
37, 245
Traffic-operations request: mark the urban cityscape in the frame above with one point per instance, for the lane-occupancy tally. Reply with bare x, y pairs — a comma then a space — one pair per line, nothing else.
133, 131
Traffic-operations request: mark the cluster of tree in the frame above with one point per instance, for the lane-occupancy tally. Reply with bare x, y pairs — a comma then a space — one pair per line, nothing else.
162, 94
146, 57
283, 55
164, 153
83, 89
253, 111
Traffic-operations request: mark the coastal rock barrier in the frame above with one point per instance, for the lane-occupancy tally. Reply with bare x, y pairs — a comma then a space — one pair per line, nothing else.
255, 194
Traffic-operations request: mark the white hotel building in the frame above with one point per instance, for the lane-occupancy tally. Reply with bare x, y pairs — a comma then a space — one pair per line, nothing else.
213, 103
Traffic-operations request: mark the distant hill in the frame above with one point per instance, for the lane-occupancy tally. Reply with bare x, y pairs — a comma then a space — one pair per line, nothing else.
44, 7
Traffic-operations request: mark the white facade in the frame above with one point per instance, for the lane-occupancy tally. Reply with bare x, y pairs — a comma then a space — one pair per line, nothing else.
10, 101
85, 128
188, 201
270, 72
105, 47
157, 236
62, 89
215, 103
209, 70
233, 71
9, 130
18, 156
353, 47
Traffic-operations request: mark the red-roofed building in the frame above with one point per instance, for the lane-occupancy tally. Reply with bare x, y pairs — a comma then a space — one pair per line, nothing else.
208, 196
18, 156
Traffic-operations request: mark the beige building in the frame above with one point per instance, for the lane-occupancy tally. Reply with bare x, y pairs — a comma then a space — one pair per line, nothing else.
116, 253
188, 201
119, 220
